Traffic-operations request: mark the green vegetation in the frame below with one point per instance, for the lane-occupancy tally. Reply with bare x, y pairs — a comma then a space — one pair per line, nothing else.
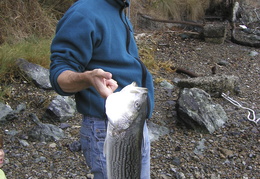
147, 52
147, 56
35, 50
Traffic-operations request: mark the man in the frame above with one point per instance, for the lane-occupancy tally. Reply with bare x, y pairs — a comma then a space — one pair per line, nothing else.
2, 156
92, 55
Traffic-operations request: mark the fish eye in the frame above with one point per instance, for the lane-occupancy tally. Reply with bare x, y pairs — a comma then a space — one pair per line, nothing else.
137, 105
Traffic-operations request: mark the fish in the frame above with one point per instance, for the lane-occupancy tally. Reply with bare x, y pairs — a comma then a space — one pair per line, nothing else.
126, 112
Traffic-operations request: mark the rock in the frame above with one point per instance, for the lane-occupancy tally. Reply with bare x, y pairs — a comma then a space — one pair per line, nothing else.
166, 85
177, 148
176, 80
90, 176
195, 158
180, 176
214, 85
6, 112
40, 159
53, 145
24, 143
75, 146
64, 126
176, 161
253, 53
199, 149
21, 107
36, 73
223, 63
196, 108
44, 132
11, 132
226, 152
60, 109
156, 131
164, 176
214, 176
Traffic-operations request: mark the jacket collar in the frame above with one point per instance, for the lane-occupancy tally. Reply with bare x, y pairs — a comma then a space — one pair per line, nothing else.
124, 3
121, 3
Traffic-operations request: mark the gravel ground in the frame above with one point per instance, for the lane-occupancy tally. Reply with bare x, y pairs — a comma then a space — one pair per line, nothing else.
231, 152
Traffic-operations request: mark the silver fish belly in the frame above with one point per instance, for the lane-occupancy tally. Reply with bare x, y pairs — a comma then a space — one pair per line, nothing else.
126, 112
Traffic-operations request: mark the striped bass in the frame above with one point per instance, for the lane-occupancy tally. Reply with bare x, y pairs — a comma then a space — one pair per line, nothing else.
126, 112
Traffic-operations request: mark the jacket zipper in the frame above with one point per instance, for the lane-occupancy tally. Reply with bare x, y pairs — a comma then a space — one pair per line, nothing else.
127, 28
127, 47
144, 70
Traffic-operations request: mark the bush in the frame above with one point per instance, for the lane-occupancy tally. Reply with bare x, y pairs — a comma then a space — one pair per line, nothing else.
21, 19
186, 10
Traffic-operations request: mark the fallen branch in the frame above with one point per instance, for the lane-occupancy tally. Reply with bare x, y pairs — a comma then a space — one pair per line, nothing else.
184, 71
171, 21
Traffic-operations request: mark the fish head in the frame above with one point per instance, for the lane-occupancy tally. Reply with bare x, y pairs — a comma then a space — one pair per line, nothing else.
124, 107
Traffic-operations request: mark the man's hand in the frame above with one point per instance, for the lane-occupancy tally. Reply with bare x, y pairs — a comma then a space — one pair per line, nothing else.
102, 81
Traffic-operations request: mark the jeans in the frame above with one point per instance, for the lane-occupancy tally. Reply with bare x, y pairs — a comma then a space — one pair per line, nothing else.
92, 137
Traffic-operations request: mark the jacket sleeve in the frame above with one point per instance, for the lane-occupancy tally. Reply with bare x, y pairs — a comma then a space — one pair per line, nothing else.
71, 48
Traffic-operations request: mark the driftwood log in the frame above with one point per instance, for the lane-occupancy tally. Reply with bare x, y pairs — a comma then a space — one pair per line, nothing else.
172, 21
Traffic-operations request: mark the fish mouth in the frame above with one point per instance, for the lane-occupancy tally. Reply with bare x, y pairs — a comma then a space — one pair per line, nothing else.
138, 88
134, 84
134, 88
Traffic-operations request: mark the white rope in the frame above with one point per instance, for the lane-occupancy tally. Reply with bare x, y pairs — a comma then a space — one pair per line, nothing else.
251, 112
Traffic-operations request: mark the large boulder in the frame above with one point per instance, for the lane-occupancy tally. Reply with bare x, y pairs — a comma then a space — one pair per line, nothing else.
44, 132
38, 74
60, 109
196, 108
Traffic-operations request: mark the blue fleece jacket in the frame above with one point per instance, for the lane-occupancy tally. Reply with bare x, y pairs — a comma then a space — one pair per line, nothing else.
96, 34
